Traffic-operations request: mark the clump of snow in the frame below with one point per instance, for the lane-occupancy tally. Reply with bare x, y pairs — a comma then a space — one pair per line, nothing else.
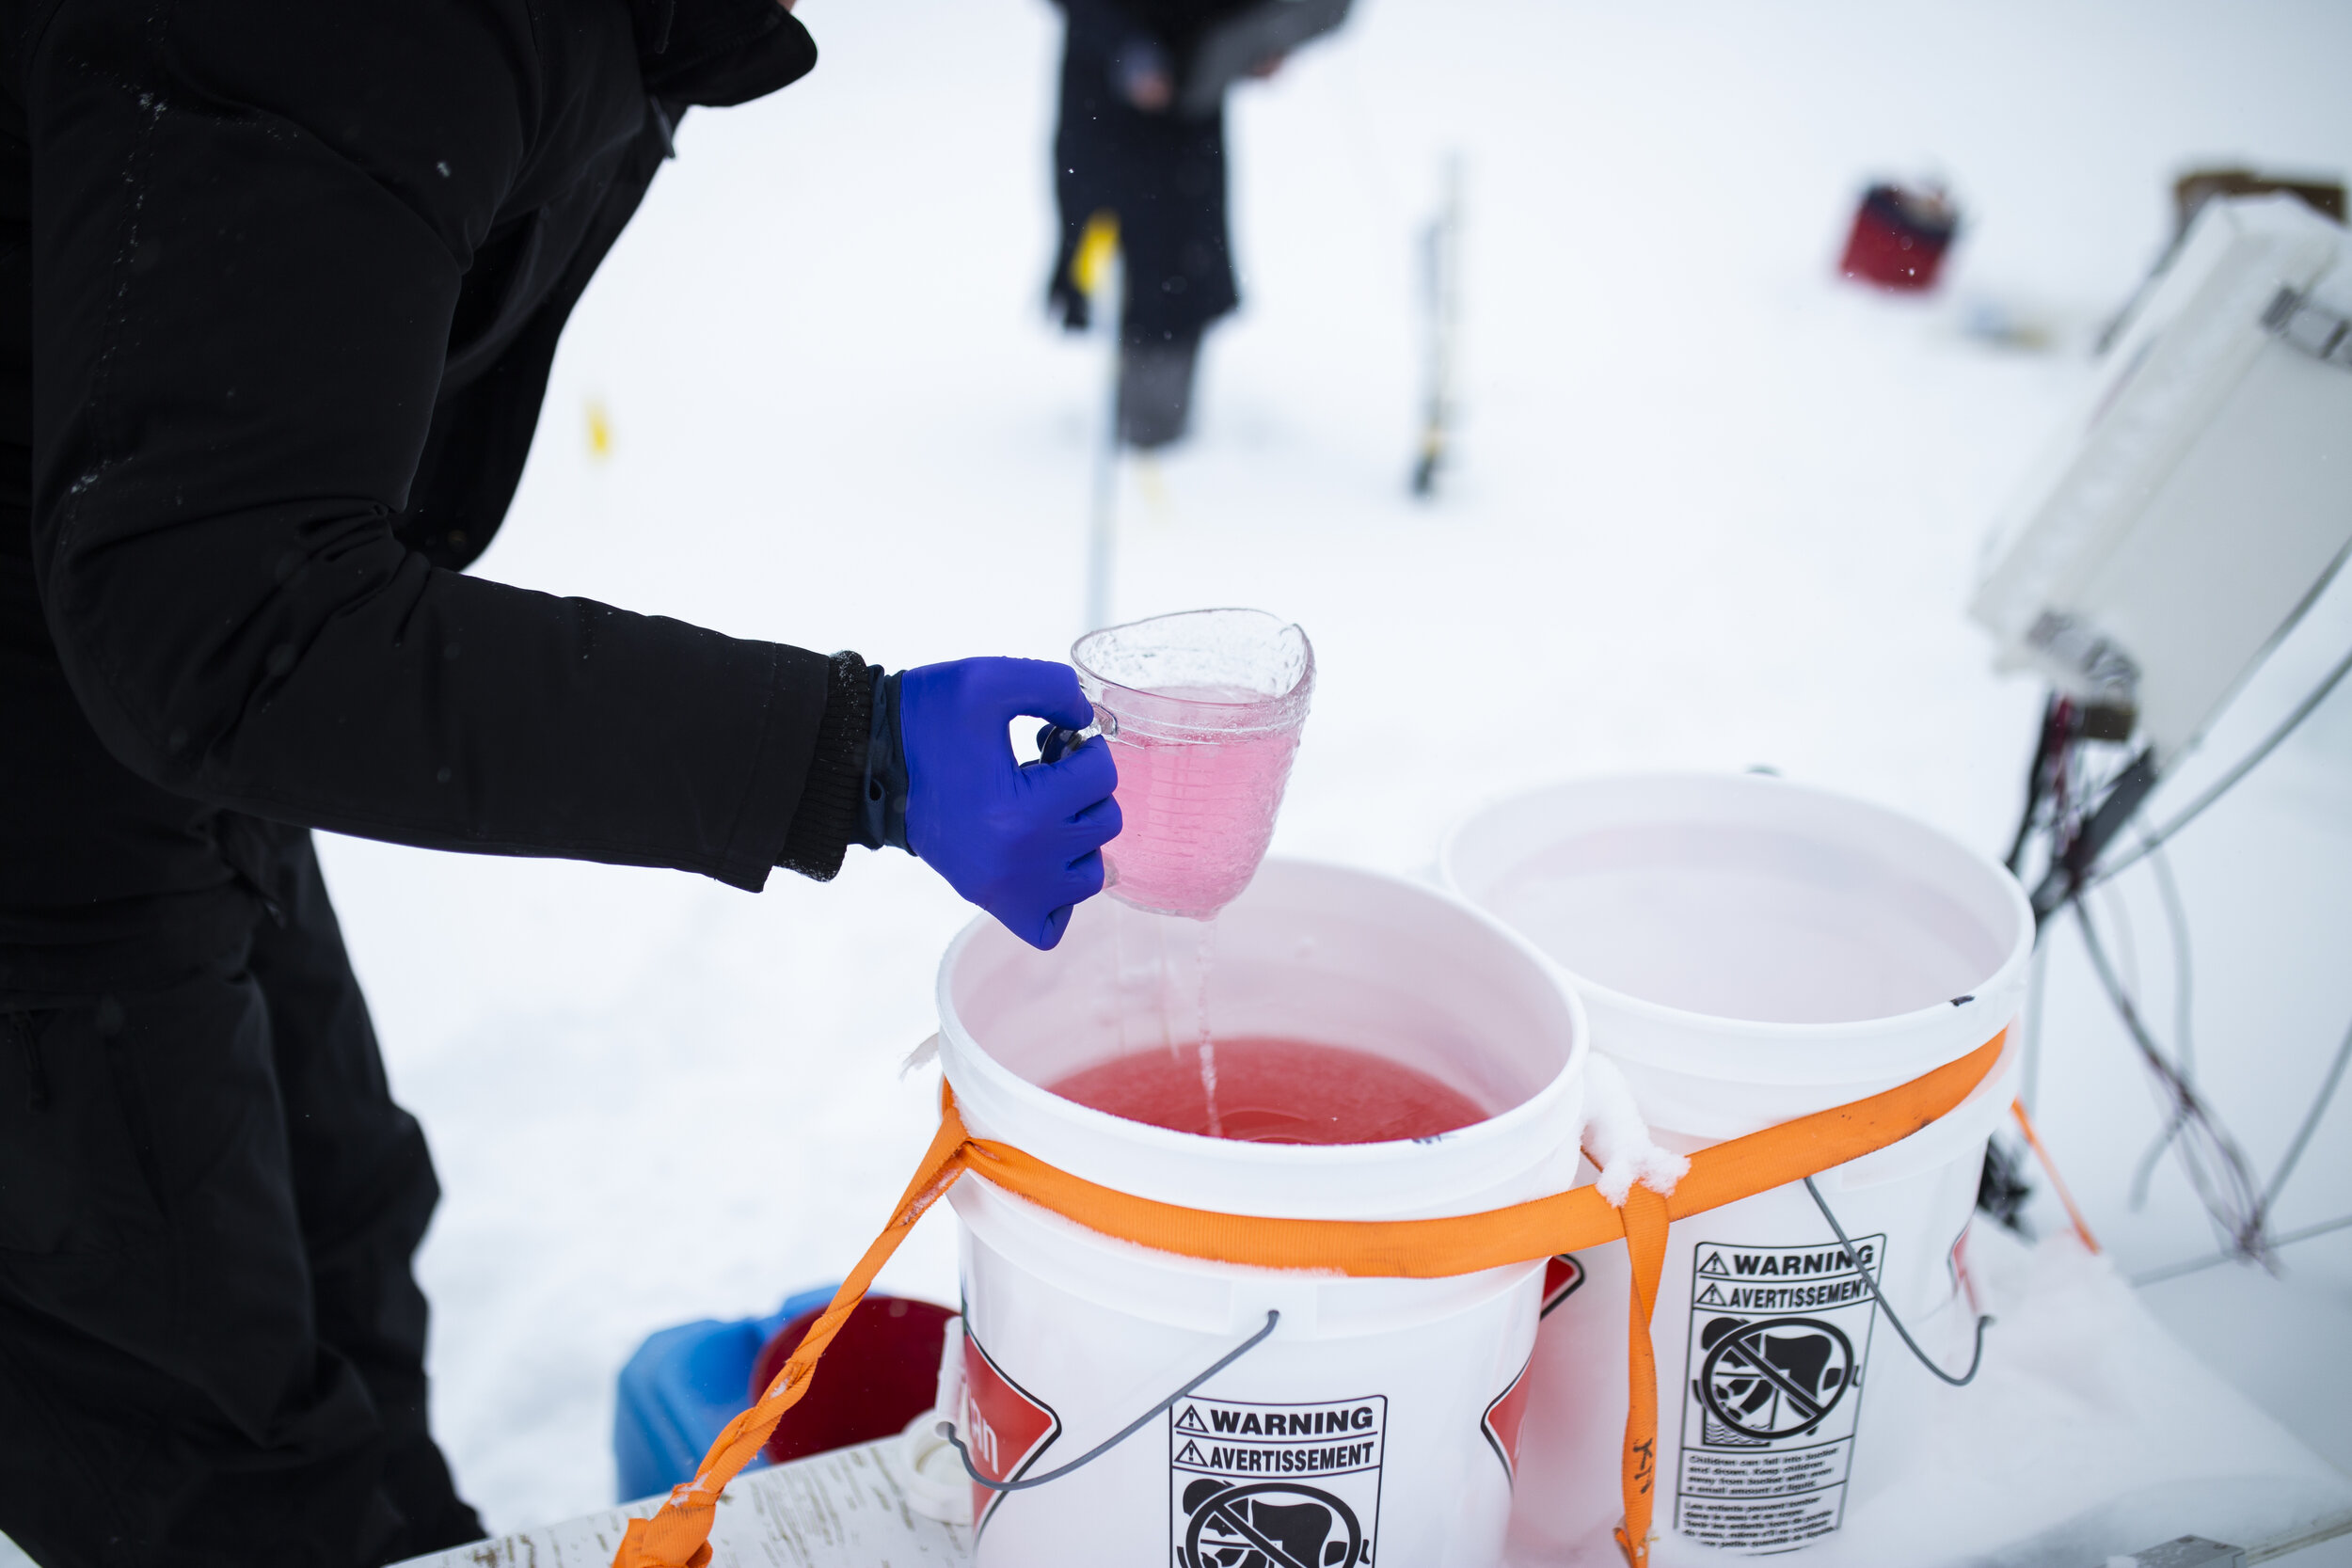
2089, 1430
1617, 1140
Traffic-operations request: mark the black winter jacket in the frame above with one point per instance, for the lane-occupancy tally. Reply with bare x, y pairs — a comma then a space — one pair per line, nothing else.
280, 282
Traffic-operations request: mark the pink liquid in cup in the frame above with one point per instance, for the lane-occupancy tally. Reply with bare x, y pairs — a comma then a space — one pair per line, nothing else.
1203, 711
1198, 816
1274, 1091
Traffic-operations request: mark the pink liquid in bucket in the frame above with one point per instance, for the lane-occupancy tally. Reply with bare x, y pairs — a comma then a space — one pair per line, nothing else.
1203, 711
1274, 1091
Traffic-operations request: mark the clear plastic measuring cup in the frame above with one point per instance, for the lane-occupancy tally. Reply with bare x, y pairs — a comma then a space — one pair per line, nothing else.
1202, 710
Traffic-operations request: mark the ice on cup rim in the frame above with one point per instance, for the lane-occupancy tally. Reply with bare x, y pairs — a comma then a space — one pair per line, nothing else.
1233, 648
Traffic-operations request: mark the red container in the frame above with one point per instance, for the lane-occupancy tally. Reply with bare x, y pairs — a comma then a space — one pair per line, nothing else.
880, 1371
1899, 237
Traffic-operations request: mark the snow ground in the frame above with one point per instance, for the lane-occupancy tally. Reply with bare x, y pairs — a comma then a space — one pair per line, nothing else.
1712, 509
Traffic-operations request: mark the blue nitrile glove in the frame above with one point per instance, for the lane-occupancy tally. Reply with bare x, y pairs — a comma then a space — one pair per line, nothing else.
1023, 841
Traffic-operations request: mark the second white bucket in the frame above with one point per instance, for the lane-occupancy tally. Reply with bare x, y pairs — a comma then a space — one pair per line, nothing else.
1752, 951
1372, 1425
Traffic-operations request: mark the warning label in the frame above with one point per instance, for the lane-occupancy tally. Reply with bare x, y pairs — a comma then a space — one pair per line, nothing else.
1562, 1275
1779, 1338
1505, 1412
1275, 1485
1009, 1427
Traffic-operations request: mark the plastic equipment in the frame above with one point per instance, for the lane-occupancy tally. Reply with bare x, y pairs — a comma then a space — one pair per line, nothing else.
1360, 1431
1752, 951
1898, 238
1203, 711
882, 1373
2191, 511
684, 1385
2179, 528
1383, 970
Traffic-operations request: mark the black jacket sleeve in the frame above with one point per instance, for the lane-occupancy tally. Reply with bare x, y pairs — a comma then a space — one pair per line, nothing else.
243, 295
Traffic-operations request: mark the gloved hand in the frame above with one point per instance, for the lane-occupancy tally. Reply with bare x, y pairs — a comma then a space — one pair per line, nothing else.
1023, 841
1144, 75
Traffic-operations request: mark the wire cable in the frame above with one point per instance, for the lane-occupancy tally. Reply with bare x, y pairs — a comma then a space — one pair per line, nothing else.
2208, 1156
2056, 713
2311, 1125
2184, 1041
2197, 1265
2127, 986
948, 1429
2127, 941
1983, 1323
2222, 786
2184, 963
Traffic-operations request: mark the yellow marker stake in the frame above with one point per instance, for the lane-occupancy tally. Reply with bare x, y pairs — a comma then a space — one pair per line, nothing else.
1098, 247
1152, 485
1096, 271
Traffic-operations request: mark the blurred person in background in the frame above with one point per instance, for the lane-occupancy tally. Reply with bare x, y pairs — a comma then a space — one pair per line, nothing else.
1126, 144
280, 283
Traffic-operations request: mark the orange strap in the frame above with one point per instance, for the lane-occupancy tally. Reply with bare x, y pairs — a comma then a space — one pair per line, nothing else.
677, 1536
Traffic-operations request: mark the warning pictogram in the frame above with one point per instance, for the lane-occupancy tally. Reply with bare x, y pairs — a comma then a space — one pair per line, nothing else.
1269, 1524
1779, 1340
1275, 1485
1777, 1378
1502, 1419
1562, 1275
1006, 1426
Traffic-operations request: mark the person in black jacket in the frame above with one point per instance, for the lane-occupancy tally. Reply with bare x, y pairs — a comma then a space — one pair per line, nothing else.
280, 282
1123, 145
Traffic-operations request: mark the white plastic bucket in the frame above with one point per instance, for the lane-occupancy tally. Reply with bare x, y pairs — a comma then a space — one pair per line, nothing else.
1751, 951
1359, 1430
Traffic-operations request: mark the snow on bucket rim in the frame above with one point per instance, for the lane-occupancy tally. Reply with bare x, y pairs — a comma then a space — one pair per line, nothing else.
1508, 832
1527, 1151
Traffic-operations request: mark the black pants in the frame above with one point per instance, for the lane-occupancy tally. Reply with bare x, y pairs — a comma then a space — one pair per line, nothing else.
212, 1349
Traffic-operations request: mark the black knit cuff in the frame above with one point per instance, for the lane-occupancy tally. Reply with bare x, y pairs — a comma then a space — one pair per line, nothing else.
884, 824
831, 810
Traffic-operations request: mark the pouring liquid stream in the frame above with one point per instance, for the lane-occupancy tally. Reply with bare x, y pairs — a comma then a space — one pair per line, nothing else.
1208, 1040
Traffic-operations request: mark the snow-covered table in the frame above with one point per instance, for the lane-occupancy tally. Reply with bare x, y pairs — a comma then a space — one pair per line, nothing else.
847, 1509
2091, 1435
